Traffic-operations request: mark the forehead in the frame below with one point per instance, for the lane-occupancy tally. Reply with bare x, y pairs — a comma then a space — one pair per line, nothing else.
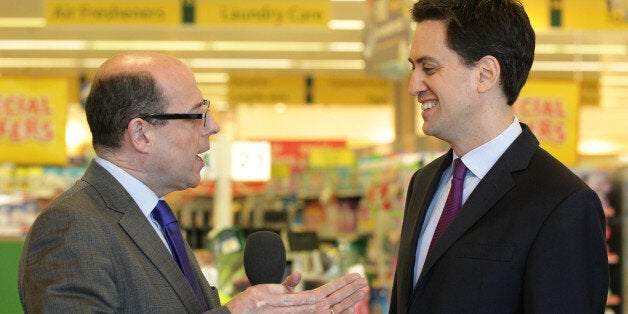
180, 89
429, 40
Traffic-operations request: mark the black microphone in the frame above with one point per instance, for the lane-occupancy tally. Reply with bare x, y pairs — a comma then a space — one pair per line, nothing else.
264, 258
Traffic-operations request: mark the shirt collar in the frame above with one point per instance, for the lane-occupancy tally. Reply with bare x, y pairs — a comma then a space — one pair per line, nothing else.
143, 196
481, 159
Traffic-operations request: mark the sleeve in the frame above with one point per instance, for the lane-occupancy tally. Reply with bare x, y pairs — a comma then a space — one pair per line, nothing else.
65, 266
567, 267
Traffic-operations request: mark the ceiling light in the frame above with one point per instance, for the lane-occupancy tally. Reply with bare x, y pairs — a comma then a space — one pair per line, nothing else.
346, 24
42, 44
21, 63
579, 66
241, 63
580, 49
211, 77
265, 46
346, 46
597, 147
143, 45
22, 22
614, 80
330, 64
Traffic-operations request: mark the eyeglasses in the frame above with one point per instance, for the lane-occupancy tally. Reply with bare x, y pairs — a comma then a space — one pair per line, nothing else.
175, 116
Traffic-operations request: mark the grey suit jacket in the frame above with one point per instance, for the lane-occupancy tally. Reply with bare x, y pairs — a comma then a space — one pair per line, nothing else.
529, 239
92, 250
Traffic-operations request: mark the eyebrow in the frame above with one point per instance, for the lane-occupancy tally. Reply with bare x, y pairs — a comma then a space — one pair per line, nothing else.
198, 105
421, 59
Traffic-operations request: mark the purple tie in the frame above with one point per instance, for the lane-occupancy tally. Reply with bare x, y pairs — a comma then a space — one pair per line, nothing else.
454, 201
164, 216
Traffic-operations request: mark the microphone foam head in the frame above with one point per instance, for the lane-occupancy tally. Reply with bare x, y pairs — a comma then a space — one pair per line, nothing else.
264, 258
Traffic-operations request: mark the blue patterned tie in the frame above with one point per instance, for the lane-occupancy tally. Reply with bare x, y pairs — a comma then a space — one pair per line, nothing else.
164, 216
453, 202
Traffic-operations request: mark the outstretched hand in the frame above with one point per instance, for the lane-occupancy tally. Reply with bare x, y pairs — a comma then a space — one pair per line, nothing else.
337, 296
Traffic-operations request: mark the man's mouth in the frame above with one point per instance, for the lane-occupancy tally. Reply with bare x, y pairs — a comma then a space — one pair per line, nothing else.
428, 104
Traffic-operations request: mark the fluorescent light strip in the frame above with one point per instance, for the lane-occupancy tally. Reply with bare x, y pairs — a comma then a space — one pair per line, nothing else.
346, 46
330, 64
275, 64
285, 46
142, 45
265, 46
43, 45
579, 66
19, 63
346, 24
240, 63
614, 80
211, 77
22, 22
581, 49
597, 147
548, 66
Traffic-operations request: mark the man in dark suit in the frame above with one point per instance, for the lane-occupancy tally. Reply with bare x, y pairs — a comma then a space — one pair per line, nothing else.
520, 232
100, 246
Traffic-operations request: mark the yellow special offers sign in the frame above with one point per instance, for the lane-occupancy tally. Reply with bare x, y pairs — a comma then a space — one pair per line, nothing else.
262, 12
32, 120
550, 109
113, 12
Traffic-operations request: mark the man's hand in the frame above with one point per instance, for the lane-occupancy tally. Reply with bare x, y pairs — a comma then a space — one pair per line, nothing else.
336, 297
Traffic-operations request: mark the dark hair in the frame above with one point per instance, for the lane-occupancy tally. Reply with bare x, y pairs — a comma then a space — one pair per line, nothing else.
477, 28
114, 100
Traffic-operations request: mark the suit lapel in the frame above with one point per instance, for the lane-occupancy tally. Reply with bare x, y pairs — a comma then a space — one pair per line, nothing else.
139, 229
416, 209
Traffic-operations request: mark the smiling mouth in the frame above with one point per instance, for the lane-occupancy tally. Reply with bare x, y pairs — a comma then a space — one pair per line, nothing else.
202, 157
428, 104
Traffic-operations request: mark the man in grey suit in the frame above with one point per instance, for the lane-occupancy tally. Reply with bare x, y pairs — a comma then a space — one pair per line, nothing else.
99, 247
514, 231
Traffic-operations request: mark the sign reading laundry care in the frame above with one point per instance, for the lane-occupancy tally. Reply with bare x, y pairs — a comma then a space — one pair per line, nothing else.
113, 12
550, 109
32, 120
262, 12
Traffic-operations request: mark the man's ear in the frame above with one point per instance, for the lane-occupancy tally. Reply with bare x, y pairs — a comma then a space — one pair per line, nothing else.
139, 134
489, 73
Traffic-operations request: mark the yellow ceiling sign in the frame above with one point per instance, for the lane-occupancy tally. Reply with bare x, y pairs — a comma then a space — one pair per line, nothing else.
113, 12
32, 120
351, 90
550, 109
594, 14
262, 12
267, 89
538, 12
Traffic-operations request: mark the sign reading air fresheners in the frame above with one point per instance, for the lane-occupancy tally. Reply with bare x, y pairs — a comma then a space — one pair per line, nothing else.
113, 12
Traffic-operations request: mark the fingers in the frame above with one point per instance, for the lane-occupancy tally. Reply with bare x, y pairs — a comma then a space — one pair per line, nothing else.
344, 285
292, 281
342, 294
346, 305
